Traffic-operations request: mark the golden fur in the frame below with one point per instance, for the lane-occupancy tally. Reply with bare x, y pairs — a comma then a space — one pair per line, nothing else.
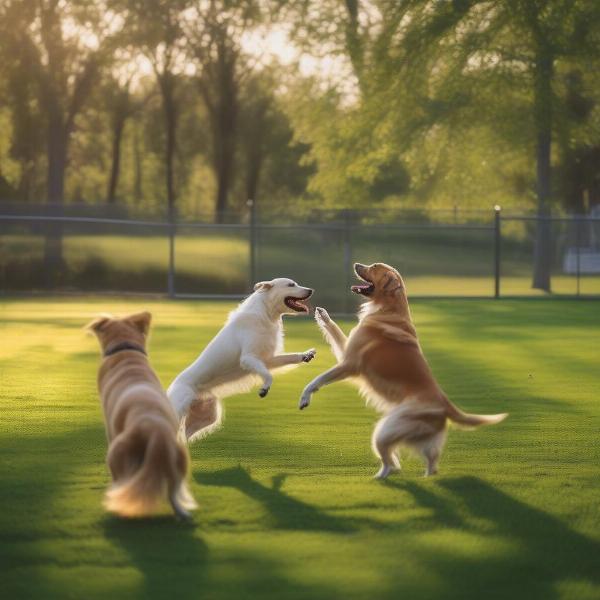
383, 354
147, 462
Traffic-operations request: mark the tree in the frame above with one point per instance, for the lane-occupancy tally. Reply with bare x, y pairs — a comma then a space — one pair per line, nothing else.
434, 65
270, 159
62, 44
156, 28
257, 105
27, 126
214, 37
537, 37
578, 171
121, 104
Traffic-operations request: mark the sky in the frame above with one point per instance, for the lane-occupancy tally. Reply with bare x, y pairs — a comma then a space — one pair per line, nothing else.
274, 45
268, 45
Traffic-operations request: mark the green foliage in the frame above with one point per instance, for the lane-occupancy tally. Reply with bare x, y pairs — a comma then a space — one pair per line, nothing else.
450, 91
9, 168
432, 103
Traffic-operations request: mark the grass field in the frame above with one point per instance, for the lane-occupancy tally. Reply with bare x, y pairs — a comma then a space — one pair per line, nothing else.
288, 509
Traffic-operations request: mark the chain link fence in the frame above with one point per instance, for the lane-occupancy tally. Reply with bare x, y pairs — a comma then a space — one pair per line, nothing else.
443, 254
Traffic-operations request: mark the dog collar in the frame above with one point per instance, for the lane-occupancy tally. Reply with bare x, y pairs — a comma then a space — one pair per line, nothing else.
124, 346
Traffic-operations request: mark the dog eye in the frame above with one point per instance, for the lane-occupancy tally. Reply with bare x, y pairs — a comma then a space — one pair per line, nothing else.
291, 284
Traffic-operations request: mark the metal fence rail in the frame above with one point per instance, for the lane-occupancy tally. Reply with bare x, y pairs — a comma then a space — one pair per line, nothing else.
488, 257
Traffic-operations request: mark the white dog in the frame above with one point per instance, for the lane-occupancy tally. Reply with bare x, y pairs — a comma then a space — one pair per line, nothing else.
246, 350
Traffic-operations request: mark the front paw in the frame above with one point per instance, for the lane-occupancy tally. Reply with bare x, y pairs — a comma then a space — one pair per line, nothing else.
308, 355
322, 316
263, 392
304, 402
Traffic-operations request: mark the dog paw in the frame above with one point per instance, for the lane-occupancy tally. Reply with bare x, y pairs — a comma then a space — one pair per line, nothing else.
383, 472
308, 355
321, 315
304, 402
263, 392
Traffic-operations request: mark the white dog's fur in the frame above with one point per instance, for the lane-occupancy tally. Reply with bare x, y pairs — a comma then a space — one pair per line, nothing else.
245, 351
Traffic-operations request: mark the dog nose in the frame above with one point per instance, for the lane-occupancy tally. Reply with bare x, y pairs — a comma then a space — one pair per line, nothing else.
358, 267
310, 292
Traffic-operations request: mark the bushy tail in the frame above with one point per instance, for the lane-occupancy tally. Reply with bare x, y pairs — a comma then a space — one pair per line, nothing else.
149, 465
468, 420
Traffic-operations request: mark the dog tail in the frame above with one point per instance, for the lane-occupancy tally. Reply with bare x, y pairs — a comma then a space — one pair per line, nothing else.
149, 465
468, 420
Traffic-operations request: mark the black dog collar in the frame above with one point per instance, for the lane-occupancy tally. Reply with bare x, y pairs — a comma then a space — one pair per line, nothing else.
124, 346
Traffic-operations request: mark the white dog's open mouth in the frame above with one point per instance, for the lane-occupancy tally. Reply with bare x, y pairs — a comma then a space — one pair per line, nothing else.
297, 304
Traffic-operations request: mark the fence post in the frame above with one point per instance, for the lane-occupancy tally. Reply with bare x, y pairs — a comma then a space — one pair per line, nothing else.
252, 241
347, 258
497, 241
171, 272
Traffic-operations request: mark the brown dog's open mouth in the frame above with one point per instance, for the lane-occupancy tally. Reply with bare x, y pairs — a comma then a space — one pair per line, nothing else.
297, 304
364, 289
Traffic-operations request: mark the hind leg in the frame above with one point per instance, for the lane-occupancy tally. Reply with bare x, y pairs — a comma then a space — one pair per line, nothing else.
431, 450
385, 441
203, 417
396, 459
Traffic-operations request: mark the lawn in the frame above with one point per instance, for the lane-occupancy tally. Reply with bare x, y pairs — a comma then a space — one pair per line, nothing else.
288, 509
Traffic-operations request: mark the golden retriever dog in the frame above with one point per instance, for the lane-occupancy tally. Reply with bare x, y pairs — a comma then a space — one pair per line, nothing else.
147, 462
382, 353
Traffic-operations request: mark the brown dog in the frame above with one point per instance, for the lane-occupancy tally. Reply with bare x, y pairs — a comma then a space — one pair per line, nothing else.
147, 462
383, 354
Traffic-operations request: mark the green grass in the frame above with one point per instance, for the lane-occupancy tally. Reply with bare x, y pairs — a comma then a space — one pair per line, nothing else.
288, 509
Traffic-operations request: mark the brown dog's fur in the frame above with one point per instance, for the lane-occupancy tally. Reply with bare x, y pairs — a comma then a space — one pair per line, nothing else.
147, 462
384, 355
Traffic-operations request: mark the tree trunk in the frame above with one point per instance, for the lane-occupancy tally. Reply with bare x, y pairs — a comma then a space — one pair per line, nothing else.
171, 133
137, 154
25, 187
224, 138
224, 169
542, 257
57, 145
113, 181
354, 44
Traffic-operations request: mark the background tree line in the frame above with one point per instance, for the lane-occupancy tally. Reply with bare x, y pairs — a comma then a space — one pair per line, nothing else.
428, 103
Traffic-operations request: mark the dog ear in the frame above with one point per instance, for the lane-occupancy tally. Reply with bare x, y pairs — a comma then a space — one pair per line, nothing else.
393, 284
399, 286
141, 321
263, 285
98, 323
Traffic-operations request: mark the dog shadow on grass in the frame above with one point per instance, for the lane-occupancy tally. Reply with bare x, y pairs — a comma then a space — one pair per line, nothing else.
170, 554
285, 511
175, 562
532, 552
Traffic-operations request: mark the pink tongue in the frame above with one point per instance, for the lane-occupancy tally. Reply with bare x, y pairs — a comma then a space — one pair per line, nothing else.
358, 288
302, 305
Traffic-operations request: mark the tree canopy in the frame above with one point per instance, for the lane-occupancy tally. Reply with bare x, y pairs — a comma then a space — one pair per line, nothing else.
191, 106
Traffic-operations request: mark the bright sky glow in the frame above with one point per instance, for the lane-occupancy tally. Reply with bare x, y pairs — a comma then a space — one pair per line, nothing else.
266, 45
